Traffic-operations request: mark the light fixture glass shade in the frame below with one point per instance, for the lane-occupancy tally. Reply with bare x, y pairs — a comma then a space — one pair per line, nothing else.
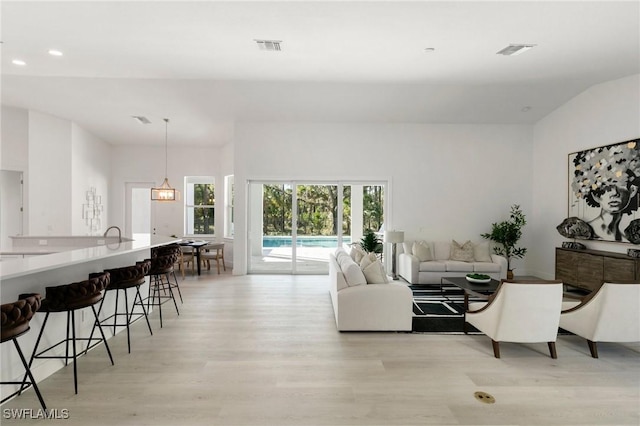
164, 193
394, 237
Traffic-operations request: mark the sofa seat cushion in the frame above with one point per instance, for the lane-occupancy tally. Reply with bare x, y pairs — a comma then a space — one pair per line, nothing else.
432, 266
485, 267
458, 266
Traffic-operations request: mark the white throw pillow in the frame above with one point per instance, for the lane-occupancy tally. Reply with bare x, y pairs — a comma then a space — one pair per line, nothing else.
353, 275
481, 252
357, 253
368, 259
463, 253
422, 250
374, 273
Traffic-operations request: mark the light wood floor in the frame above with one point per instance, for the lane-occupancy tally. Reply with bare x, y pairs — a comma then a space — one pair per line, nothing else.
263, 350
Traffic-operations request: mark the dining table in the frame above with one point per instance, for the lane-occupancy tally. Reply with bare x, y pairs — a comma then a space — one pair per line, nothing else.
196, 245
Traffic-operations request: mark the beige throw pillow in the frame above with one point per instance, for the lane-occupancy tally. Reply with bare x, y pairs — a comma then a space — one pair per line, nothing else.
422, 251
367, 260
374, 273
357, 253
481, 252
463, 253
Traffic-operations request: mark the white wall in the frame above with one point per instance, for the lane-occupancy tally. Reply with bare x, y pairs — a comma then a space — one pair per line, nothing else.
604, 114
49, 179
446, 181
91, 167
133, 163
60, 161
14, 156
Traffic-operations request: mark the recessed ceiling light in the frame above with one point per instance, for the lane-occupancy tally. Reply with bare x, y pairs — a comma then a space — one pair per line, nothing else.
515, 49
54, 52
19, 62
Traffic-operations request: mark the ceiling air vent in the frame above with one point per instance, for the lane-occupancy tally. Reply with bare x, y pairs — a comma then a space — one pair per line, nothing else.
515, 49
141, 119
270, 45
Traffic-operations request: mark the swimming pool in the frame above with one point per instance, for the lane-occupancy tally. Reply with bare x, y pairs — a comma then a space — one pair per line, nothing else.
303, 241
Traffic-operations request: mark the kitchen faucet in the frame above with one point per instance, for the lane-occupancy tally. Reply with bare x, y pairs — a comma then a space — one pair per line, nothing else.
119, 233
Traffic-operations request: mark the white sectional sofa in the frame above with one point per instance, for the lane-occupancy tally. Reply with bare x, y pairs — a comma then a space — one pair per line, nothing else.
359, 306
420, 268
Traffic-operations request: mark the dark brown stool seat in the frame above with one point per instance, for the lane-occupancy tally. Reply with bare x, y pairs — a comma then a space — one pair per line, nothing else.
15, 323
166, 250
124, 279
160, 288
70, 298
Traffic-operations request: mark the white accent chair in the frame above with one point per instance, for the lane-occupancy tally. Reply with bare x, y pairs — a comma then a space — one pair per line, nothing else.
609, 314
524, 311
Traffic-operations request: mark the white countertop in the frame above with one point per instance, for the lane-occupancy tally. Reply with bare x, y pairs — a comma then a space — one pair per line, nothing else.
12, 268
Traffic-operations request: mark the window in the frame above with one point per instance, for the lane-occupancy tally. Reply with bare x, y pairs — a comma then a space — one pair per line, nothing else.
229, 201
199, 205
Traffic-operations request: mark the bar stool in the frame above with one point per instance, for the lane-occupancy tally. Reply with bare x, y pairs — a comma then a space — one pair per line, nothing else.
124, 279
160, 288
177, 250
15, 323
69, 298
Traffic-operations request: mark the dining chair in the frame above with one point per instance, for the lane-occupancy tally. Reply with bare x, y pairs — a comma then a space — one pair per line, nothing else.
609, 314
187, 257
213, 252
521, 311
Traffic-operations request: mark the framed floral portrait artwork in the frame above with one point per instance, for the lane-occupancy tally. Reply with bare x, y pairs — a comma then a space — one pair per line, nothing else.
603, 191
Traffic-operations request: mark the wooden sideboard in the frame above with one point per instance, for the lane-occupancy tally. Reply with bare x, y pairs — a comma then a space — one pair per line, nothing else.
588, 269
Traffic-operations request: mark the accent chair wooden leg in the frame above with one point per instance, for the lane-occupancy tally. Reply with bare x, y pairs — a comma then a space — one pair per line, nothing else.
496, 348
593, 348
552, 349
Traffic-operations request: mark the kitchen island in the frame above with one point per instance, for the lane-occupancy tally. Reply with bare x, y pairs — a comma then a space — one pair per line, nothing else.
32, 274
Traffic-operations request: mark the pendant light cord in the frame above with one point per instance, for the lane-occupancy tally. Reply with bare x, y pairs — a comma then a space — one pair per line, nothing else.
166, 144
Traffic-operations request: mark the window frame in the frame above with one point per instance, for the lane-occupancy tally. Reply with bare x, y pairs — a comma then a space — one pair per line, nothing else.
229, 201
198, 180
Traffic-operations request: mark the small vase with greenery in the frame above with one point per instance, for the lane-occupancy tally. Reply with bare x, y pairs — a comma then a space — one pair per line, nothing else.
370, 242
507, 234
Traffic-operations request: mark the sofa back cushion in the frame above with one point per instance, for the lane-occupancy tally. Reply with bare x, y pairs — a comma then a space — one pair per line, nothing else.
482, 252
422, 250
441, 250
407, 247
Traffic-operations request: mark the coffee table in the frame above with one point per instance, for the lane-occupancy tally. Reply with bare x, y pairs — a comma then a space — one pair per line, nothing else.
482, 291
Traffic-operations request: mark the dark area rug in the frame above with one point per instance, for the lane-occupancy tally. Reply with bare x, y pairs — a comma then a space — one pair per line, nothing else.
438, 311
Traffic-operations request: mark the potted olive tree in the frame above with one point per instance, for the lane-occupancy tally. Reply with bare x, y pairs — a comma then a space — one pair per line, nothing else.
507, 234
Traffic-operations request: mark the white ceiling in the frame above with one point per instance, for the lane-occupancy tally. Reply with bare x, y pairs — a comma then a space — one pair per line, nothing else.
197, 63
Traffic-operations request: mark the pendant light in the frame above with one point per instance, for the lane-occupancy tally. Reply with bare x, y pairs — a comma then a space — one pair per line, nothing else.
165, 192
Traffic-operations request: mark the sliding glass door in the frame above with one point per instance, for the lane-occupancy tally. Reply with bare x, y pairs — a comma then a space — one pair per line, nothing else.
294, 225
